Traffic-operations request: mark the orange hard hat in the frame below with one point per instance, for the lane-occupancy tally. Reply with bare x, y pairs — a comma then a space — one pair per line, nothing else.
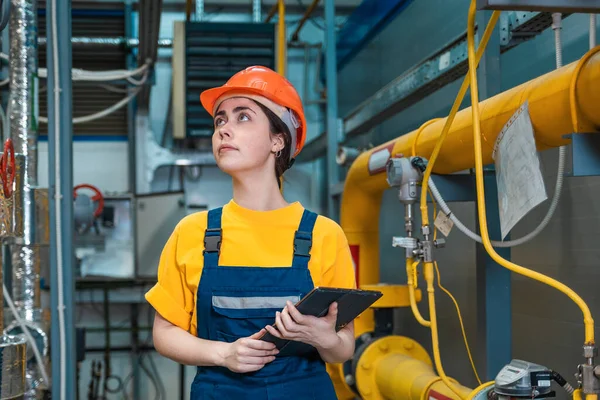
260, 82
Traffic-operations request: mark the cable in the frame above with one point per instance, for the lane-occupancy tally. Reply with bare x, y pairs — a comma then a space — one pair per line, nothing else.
103, 113
429, 277
101, 76
30, 339
556, 25
501, 244
592, 31
563, 383
480, 389
462, 326
58, 199
481, 207
439, 281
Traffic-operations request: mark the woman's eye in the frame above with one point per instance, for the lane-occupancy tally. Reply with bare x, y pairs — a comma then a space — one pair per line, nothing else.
244, 117
219, 122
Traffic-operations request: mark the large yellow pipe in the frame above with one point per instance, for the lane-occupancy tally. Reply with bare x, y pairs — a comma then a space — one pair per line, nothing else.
402, 377
548, 98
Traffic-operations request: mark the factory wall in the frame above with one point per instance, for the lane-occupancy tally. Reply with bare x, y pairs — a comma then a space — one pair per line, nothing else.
105, 165
547, 327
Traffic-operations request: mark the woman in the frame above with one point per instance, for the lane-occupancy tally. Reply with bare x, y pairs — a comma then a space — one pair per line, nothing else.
227, 275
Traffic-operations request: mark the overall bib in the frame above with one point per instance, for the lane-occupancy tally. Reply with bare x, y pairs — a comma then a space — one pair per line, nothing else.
236, 302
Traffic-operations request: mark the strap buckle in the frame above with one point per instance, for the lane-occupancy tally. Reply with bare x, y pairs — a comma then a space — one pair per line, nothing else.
212, 240
302, 244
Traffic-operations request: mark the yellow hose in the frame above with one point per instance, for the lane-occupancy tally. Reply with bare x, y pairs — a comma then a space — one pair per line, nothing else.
457, 102
462, 325
410, 268
429, 277
591, 397
478, 389
587, 317
577, 394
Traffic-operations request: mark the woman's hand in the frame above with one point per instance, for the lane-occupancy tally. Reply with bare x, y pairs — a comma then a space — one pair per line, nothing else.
318, 332
248, 354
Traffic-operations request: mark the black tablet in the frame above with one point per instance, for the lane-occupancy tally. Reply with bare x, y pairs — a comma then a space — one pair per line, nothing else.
351, 303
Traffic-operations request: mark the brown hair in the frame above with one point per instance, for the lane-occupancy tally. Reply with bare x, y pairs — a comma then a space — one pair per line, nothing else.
278, 127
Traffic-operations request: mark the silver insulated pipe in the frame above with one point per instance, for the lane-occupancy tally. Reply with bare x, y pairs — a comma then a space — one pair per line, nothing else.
23, 115
29, 250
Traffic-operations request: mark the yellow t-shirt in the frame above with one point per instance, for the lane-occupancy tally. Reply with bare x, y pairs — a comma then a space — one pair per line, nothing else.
250, 238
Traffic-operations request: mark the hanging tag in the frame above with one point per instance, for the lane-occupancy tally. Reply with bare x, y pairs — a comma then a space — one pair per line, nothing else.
443, 223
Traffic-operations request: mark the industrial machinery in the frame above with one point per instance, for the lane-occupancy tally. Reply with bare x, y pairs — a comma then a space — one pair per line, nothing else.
559, 104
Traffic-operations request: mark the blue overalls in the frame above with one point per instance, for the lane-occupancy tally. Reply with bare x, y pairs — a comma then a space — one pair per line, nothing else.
236, 302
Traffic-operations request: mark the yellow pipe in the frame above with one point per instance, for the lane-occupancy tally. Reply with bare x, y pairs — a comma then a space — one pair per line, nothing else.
457, 102
281, 41
479, 162
400, 376
548, 98
428, 272
591, 397
410, 268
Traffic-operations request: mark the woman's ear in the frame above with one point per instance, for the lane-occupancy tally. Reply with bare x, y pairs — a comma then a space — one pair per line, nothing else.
277, 143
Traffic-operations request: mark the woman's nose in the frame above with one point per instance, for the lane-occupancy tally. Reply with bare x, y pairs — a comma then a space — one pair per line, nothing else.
224, 132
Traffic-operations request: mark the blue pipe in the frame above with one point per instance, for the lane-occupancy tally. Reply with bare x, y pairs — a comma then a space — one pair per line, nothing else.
64, 145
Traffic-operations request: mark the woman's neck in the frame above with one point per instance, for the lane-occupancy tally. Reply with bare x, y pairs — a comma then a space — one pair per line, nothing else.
257, 193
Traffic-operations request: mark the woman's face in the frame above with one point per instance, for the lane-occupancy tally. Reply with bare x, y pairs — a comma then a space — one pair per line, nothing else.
242, 140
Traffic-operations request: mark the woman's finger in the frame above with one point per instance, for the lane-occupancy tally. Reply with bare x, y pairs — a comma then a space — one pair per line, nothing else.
295, 314
280, 326
255, 360
289, 324
274, 332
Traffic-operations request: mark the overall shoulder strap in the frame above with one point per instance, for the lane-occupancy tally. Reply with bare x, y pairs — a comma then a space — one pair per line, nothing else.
212, 237
303, 240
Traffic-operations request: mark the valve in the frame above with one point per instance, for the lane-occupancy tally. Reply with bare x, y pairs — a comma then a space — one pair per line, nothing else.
7, 168
98, 197
439, 243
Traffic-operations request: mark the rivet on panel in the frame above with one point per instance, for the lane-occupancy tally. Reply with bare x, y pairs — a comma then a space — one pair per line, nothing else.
365, 365
409, 346
384, 347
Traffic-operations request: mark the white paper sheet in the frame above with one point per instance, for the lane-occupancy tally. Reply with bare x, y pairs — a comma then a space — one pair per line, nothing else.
520, 182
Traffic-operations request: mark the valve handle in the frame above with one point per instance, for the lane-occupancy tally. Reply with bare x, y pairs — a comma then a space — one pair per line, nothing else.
7, 168
98, 197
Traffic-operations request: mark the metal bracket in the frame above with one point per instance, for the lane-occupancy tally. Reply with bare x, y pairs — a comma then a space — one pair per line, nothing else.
585, 154
151, 155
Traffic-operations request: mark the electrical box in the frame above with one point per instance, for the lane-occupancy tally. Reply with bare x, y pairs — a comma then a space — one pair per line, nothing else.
564, 6
157, 215
107, 248
206, 55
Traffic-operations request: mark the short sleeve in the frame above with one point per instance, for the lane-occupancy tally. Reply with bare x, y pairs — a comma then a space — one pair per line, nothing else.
341, 273
171, 296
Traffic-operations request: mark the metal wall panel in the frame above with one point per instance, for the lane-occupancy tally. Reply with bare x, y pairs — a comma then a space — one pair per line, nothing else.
92, 20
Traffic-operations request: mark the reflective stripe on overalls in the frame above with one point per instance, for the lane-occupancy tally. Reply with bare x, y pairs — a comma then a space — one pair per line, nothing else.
236, 302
